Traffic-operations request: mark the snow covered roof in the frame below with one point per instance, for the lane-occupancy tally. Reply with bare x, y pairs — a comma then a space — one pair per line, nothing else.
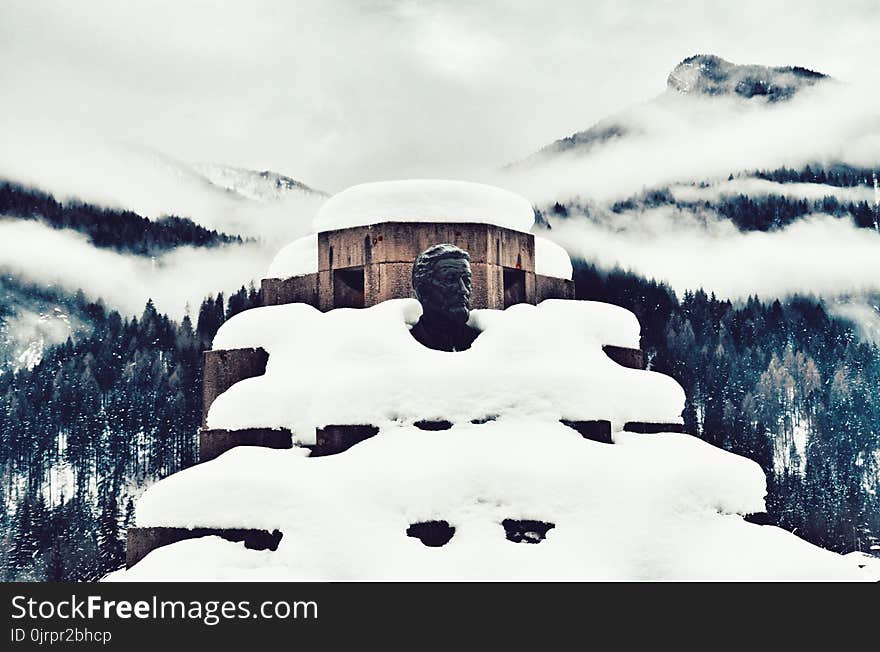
420, 200
361, 366
298, 258
551, 259
652, 507
424, 200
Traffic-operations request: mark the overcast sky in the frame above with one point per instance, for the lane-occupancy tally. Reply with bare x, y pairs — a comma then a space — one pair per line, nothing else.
334, 93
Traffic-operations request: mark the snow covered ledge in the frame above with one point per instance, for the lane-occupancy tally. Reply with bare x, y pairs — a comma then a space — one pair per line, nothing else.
363, 367
661, 508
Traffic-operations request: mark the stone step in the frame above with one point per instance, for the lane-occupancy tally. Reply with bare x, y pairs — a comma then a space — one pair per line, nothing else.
225, 367
646, 428
329, 440
625, 357
593, 430
140, 541
215, 442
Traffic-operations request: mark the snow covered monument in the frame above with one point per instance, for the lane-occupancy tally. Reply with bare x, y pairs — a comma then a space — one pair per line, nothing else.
336, 446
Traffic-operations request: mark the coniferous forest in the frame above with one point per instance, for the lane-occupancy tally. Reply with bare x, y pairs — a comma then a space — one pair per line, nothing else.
122, 230
89, 426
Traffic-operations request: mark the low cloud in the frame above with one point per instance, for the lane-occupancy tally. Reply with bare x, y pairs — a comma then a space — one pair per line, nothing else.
818, 255
862, 313
149, 183
677, 138
762, 187
66, 259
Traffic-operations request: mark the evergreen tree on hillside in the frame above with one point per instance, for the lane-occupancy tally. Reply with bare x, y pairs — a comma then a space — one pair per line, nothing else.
115, 410
121, 230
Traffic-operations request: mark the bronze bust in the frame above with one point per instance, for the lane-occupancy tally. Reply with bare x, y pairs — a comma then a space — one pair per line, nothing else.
441, 280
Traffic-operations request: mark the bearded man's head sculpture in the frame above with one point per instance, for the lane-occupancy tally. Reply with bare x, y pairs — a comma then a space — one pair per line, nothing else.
441, 281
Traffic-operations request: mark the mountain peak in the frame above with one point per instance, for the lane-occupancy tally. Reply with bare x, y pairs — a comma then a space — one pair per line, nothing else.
264, 185
708, 74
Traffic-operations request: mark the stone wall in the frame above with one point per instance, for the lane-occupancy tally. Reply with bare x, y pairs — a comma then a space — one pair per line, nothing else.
383, 255
215, 442
296, 289
140, 541
626, 357
550, 287
365, 265
225, 368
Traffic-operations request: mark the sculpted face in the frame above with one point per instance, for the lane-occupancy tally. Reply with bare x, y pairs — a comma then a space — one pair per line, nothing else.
447, 291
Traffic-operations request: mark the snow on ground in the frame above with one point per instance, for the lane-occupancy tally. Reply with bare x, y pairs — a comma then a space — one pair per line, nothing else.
298, 258
357, 366
649, 507
424, 200
551, 259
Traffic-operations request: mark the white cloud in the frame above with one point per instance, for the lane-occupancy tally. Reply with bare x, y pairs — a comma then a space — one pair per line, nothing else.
336, 93
149, 183
819, 255
679, 138
762, 187
39, 254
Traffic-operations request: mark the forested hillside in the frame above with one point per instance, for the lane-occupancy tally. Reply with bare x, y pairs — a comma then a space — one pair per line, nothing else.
765, 212
91, 424
121, 230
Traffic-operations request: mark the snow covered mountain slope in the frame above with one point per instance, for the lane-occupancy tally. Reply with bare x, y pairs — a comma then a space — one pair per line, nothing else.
34, 318
698, 76
708, 74
264, 205
264, 186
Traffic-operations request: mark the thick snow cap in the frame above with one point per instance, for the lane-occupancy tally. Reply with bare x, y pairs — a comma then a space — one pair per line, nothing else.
416, 200
551, 259
351, 366
424, 200
298, 258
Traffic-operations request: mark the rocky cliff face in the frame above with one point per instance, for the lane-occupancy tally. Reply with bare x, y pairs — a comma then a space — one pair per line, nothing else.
706, 74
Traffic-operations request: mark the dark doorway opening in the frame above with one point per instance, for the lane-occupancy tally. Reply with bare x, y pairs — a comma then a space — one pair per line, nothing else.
348, 288
514, 286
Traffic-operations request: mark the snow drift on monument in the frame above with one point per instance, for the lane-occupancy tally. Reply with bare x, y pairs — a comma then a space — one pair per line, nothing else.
362, 366
647, 508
